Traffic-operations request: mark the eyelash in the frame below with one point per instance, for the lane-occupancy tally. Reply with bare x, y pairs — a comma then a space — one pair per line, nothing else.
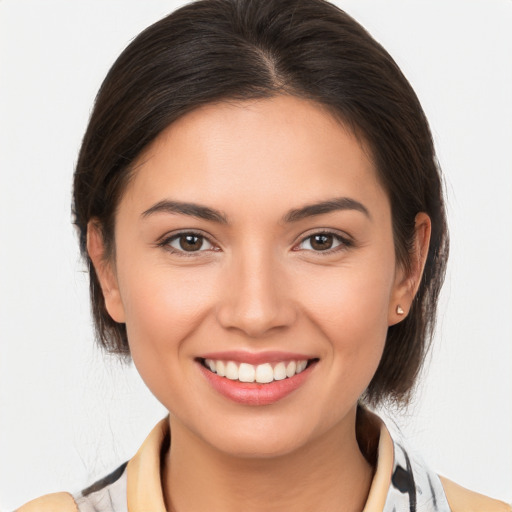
344, 243
165, 243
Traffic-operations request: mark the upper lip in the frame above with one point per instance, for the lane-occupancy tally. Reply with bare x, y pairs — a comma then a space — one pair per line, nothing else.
254, 358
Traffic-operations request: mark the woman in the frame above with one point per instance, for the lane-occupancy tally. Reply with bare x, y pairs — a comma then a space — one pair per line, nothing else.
258, 199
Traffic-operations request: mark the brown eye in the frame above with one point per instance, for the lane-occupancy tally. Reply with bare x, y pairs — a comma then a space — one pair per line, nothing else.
190, 242
323, 242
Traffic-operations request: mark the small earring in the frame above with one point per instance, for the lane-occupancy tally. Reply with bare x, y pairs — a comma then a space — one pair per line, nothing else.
399, 310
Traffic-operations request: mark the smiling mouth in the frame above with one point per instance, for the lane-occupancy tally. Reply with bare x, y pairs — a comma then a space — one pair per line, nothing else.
260, 374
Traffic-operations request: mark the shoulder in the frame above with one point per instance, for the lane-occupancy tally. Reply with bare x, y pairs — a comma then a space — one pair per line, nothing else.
464, 500
56, 502
415, 486
110, 494
106, 495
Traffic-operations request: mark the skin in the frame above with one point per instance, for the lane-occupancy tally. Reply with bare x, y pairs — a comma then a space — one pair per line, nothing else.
258, 284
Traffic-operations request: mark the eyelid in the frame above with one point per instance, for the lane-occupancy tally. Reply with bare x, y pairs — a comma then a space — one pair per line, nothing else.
164, 241
345, 239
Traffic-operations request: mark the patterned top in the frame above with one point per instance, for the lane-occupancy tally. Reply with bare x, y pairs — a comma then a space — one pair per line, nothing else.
401, 482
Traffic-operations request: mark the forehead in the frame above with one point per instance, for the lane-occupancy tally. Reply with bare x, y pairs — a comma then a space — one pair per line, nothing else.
253, 152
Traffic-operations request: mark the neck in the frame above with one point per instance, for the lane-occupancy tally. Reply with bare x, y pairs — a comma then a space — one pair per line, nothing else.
329, 474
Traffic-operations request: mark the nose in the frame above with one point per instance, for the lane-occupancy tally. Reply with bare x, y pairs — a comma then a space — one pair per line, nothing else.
255, 298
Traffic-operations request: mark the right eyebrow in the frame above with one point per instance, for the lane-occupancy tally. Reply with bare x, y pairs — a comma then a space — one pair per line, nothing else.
184, 208
323, 207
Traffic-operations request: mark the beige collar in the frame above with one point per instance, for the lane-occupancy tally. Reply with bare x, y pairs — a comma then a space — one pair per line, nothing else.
144, 477
382, 478
144, 487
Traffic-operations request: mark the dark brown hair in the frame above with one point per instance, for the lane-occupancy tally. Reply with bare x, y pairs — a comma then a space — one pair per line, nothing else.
212, 50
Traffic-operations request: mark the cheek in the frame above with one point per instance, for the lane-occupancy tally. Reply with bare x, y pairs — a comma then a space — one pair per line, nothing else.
350, 306
163, 308
159, 304
348, 300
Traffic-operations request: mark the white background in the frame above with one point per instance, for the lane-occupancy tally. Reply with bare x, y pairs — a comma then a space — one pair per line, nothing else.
68, 414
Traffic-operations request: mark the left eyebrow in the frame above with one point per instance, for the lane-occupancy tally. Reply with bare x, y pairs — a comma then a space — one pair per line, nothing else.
331, 205
182, 208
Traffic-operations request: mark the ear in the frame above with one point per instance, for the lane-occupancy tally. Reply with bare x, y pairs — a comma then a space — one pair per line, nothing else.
105, 270
407, 281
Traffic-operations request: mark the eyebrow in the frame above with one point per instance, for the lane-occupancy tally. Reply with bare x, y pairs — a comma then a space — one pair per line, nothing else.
331, 205
210, 214
191, 209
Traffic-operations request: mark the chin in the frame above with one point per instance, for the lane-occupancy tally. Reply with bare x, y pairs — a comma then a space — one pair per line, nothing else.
260, 437
258, 445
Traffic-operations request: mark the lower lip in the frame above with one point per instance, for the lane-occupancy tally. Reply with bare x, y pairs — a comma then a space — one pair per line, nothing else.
252, 393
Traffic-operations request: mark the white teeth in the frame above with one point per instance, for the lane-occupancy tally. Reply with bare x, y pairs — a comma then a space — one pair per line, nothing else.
290, 369
301, 366
246, 372
262, 373
232, 371
221, 369
280, 371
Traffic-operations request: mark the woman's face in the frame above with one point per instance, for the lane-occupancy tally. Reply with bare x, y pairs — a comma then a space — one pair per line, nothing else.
255, 238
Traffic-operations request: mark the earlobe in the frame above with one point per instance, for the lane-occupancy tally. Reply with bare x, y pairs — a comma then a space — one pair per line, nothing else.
408, 281
105, 272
